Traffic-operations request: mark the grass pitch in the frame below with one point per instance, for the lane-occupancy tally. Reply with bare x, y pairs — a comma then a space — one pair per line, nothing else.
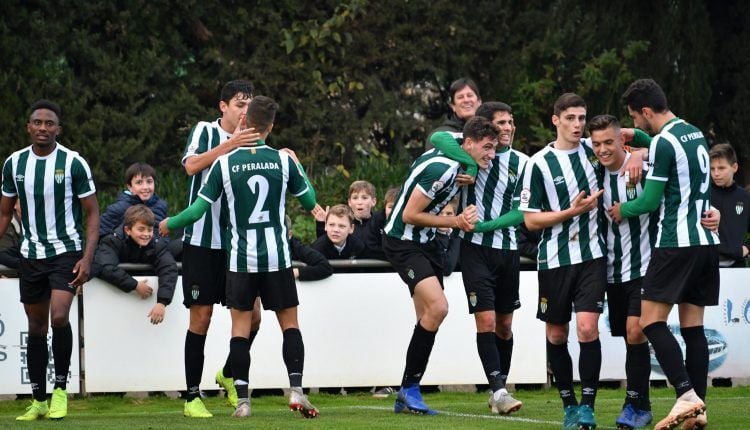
727, 409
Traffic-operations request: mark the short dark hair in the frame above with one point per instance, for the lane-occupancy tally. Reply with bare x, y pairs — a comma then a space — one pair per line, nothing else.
568, 100
46, 104
138, 168
138, 213
645, 93
261, 113
488, 109
460, 84
723, 151
479, 127
603, 122
238, 86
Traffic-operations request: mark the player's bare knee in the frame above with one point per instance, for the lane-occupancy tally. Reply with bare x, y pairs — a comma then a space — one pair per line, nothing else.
485, 322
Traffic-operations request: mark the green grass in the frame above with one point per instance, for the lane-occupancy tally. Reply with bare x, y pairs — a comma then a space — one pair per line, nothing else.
542, 410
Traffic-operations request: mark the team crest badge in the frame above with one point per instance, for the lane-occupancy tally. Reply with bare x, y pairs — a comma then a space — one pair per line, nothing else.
59, 176
543, 305
195, 292
410, 274
630, 191
437, 186
512, 176
594, 161
739, 207
473, 299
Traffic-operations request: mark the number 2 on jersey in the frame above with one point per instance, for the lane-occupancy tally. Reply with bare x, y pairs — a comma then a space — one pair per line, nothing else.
258, 186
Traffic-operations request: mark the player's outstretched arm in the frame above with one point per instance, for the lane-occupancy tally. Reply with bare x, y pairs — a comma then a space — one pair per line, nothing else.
188, 216
508, 219
448, 145
647, 202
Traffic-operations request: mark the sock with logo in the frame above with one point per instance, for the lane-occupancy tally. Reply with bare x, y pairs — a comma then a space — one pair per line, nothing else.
240, 357
490, 360
62, 348
417, 355
194, 344
293, 350
669, 355
562, 370
505, 352
638, 372
589, 366
696, 358
37, 359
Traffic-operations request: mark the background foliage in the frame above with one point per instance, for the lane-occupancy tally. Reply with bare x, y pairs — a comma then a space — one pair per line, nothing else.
359, 83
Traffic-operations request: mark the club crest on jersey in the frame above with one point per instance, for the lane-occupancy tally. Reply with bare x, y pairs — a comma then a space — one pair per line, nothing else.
512, 176
437, 186
739, 207
630, 191
59, 176
543, 305
594, 161
525, 196
473, 299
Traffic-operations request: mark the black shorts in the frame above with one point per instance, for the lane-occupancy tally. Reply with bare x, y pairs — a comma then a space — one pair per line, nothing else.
683, 275
277, 290
39, 277
581, 286
490, 278
203, 275
623, 301
414, 261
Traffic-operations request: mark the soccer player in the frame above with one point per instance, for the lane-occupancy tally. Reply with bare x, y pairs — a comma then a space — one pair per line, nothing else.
628, 252
489, 255
203, 258
410, 247
54, 186
559, 196
254, 181
684, 266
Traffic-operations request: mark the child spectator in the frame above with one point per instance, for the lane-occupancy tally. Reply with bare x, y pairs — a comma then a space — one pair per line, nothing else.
373, 232
316, 265
734, 204
135, 242
339, 243
139, 180
361, 201
450, 245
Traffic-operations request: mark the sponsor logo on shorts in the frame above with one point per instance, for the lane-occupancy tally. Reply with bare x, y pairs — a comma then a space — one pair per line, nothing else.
473, 299
410, 273
437, 186
543, 304
59, 175
195, 292
525, 196
739, 207
600, 305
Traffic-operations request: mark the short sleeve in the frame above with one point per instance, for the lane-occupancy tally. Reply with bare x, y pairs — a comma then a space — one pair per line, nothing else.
531, 191
661, 159
433, 180
212, 189
82, 180
9, 184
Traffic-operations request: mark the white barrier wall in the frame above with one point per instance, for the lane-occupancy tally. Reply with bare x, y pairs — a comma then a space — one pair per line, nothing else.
356, 329
14, 373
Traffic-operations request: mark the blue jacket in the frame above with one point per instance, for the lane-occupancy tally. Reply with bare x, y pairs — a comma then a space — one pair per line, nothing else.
114, 215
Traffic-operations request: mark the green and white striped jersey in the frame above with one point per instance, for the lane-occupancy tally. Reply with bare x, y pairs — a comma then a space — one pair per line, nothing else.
255, 181
493, 193
49, 189
628, 243
207, 231
551, 180
434, 175
679, 157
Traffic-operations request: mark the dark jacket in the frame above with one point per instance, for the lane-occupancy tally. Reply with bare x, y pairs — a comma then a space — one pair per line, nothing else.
10, 244
114, 214
317, 266
372, 236
352, 249
116, 248
734, 204
450, 123
450, 249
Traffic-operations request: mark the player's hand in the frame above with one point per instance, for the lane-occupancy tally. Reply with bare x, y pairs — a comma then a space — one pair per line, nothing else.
156, 314
243, 136
464, 179
291, 154
582, 204
627, 134
710, 220
463, 223
81, 269
143, 290
163, 229
614, 212
319, 213
634, 168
